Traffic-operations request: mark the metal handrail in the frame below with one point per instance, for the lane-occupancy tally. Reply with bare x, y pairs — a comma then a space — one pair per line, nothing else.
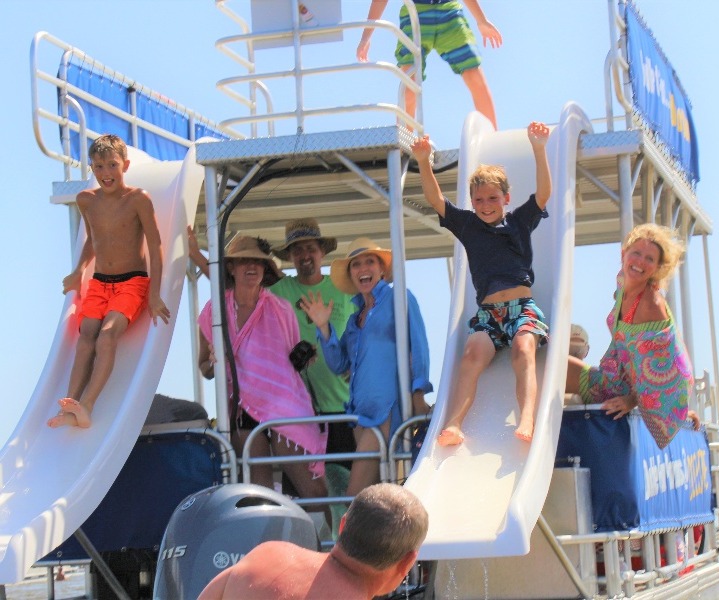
617, 577
69, 95
249, 64
615, 67
408, 80
394, 456
248, 461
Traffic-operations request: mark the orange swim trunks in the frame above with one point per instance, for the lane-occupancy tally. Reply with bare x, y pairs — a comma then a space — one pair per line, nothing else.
125, 293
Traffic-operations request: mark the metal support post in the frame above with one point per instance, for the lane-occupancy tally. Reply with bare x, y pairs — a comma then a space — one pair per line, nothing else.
101, 565
562, 556
213, 246
396, 217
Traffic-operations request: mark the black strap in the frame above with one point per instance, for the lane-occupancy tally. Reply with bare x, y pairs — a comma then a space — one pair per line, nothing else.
311, 390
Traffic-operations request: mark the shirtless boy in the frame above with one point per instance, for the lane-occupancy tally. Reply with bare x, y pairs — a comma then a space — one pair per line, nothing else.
118, 220
499, 253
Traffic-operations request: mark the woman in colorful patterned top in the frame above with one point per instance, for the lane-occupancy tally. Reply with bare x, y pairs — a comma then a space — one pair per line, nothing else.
646, 364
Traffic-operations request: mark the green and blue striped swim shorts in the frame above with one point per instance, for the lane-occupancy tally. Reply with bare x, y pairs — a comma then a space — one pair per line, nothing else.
444, 28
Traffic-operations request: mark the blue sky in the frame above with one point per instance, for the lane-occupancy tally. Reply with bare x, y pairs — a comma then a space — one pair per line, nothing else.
553, 52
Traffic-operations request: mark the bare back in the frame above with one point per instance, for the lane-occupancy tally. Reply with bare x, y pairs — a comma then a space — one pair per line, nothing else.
284, 571
115, 223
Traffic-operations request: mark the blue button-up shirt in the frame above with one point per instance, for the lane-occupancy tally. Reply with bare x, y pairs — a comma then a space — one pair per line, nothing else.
370, 354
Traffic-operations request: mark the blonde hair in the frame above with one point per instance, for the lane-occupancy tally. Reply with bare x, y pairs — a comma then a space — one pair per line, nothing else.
107, 144
671, 248
489, 174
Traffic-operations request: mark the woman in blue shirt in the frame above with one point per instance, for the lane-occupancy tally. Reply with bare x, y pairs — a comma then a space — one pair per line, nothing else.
368, 350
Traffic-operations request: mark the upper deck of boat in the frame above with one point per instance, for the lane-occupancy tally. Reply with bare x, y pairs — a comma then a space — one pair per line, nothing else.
342, 179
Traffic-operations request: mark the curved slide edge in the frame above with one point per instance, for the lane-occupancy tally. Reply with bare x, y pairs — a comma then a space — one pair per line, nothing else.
51, 480
484, 496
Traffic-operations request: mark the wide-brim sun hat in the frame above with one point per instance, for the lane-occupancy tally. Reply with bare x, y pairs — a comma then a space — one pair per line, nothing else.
245, 246
339, 269
301, 230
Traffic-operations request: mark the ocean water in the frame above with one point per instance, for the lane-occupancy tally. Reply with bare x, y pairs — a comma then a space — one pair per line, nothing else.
34, 587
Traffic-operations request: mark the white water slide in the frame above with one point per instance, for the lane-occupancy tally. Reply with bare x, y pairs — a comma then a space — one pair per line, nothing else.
51, 480
484, 496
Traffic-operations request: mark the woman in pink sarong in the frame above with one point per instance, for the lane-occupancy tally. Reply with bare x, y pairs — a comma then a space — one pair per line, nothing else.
263, 330
646, 364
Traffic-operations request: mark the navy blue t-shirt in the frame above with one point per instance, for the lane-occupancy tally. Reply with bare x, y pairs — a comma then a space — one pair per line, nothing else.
500, 257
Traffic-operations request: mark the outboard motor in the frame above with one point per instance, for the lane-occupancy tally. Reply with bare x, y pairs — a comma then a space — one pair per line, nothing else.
214, 528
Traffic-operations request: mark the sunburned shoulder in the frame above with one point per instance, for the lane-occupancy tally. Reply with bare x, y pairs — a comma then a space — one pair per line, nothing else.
656, 305
279, 552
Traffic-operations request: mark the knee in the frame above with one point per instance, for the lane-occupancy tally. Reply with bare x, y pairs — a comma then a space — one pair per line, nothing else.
106, 339
88, 332
368, 441
476, 347
524, 345
87, 339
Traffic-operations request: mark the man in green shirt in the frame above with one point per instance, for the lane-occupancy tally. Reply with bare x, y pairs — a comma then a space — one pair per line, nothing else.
305, 247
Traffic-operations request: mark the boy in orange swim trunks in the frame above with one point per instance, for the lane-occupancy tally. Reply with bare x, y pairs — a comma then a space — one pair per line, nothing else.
118, 220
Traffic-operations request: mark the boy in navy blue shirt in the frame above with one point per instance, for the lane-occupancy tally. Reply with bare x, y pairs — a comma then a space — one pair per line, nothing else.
499, 252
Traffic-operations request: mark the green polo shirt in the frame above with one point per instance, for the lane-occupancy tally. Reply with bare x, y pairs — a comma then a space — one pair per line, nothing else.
331, 391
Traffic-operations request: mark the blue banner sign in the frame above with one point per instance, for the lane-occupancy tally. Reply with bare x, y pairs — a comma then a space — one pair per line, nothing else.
673, 485
153, 109
658, 95
634, 484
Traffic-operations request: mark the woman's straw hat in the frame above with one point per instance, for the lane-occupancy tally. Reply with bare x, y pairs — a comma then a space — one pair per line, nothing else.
244, 246
339, 270
300, 230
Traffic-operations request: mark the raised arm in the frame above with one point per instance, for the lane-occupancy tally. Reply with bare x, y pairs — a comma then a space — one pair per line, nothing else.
538, 134
422, 150
376, 8
146, 214
486, 28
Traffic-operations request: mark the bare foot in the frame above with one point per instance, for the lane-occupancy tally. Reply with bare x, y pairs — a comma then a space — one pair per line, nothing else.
62, 419
524, 434
82, 416
525, 429
451, 436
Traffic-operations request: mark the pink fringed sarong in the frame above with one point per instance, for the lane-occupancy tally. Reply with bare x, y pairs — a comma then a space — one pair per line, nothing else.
270, 388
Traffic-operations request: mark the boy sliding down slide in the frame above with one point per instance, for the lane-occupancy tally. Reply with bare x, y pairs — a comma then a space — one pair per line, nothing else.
499, 252
118, 220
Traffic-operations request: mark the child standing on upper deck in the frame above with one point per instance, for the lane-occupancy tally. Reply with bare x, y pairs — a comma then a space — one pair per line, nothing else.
499, 252
118, 220
443, 28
